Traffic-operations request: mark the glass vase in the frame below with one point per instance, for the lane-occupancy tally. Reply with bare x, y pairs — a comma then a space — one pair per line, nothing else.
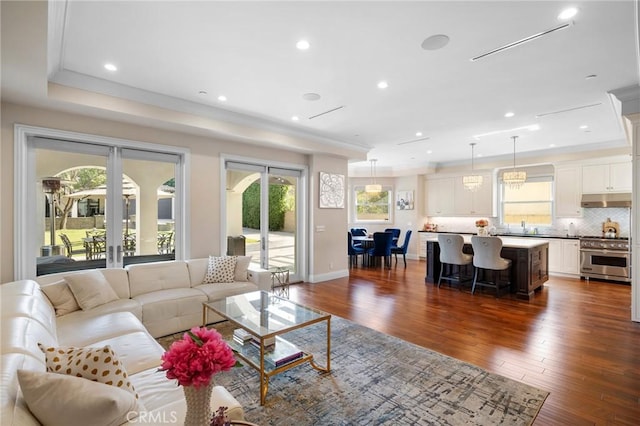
198, 405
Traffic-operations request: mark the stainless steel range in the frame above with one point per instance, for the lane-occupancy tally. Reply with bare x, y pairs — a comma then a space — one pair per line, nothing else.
605, 258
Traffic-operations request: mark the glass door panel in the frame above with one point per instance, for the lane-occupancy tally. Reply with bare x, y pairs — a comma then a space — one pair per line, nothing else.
148, 212
70, 200
282, 219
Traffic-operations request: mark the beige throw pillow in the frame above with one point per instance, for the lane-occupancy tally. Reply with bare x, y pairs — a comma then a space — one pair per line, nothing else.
220, 270
97, 364
61, 297
242, 268
59, 400
91, 289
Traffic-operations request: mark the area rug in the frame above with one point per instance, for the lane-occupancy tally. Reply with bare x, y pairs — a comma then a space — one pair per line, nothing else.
377, 379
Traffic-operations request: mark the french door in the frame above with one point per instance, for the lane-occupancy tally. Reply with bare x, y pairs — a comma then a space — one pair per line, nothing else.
265, 211
104, 205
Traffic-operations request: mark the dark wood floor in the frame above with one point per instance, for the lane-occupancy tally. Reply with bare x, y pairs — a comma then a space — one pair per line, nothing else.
574, 339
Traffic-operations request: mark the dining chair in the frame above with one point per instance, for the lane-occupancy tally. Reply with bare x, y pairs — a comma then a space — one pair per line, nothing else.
381, 247
99, 248
486, 257
353, 251
402, 249
452, 258
68, 245
396, 235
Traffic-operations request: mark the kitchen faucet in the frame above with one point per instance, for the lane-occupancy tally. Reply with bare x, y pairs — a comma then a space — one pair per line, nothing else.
524, 226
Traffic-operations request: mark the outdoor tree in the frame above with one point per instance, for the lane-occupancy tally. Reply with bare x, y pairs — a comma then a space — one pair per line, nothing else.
76, 180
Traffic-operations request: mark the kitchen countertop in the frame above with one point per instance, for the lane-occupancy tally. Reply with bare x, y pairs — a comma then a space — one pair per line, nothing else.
512, 235
506, 241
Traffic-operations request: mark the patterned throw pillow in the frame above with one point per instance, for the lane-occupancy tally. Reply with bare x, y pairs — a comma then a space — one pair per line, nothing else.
220, 270
97, 364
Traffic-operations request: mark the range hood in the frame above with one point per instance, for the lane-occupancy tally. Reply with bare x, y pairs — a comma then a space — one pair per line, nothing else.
606, 200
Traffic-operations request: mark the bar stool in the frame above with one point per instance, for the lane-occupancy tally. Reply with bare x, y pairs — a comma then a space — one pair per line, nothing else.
486, 256
451, 254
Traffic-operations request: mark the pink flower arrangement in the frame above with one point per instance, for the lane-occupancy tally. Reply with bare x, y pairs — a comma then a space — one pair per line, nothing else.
481, 223
195, 358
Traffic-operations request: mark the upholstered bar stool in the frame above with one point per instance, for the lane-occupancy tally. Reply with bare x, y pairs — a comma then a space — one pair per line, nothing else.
486, 256
452, 257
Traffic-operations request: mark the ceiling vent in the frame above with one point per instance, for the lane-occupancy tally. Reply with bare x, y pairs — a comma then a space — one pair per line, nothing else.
426, 138
568, 110
326, 112
522, 41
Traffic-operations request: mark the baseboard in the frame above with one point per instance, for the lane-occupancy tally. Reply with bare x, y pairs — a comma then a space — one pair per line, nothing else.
328, 276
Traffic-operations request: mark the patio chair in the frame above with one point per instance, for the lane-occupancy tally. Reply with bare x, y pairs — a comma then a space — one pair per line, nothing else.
70, 249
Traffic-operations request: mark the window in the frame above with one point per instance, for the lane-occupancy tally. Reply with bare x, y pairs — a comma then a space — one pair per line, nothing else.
532, 203
372, 206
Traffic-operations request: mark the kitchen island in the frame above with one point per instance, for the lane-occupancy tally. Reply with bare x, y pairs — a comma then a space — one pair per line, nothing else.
529, 267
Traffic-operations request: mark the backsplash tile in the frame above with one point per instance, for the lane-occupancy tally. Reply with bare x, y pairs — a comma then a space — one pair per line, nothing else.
590, 224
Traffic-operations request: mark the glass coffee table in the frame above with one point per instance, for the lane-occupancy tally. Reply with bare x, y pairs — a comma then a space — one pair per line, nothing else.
265, 317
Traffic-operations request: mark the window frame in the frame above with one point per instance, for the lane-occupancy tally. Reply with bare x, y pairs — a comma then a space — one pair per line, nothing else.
354, 205
531, 179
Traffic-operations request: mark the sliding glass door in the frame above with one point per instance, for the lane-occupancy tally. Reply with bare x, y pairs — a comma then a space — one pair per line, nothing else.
263, 213
91, 205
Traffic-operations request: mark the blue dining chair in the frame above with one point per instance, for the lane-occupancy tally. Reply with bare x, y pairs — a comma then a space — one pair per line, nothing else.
402, 249
396, 235
353, 251
359, 232
381, 247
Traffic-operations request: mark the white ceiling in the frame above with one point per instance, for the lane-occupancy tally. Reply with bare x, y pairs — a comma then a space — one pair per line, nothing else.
168, 52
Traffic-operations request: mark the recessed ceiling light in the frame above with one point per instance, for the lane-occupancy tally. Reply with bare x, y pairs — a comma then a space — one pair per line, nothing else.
418, 134
303, 45
429, 152
509, 114
295, 118
552, 145
383, 84
110, 67
435, 42
568, 13
310, 96
584, 126
222, 98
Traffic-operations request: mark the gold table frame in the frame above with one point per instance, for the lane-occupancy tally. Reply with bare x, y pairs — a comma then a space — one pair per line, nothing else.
258, 362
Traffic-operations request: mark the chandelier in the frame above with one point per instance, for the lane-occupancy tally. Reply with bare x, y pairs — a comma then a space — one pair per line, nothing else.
472, 182
373, 187
515, 178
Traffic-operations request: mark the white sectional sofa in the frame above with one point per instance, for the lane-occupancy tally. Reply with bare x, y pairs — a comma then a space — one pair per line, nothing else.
153, 299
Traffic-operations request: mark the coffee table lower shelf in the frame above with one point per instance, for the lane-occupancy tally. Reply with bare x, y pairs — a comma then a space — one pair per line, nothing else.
252, 356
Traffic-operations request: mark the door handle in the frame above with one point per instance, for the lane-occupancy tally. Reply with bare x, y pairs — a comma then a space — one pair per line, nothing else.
110, 254
119, 254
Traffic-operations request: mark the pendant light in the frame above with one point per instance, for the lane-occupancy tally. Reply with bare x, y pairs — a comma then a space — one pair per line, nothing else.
514, 179
472, 182
373, 187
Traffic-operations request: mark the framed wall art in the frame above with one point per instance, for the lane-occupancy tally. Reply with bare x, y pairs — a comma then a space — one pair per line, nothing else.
404, 200
331, 191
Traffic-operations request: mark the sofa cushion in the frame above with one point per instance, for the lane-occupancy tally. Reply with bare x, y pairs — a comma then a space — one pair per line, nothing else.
61, 297
220, 270
137, 351
25, 299
90, 289
170, 311
97, 364
87, 330
221, 290
21, 335
13, 409
117, 277
59, 400
151, 277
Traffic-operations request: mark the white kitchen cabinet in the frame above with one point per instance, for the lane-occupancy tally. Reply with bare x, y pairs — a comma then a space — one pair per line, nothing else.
568, 191
564, 256
477, 203
440, 197
422, 249
613, 177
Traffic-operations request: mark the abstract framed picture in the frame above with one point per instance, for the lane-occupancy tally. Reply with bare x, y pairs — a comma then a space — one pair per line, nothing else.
331, 191
404, 200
